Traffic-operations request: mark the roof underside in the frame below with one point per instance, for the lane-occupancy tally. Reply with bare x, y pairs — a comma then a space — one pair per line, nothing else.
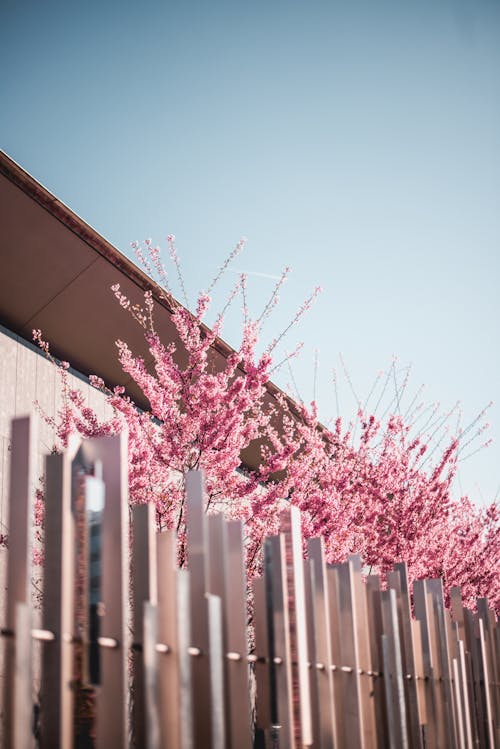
56, 274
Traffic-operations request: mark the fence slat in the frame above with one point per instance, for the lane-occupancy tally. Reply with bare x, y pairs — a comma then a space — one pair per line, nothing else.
151, 732
172, 727
58, 605
374, 607
322, 665
435, 587
462, 640
488, 712
214, 616
353, 718
186, 715
238, 674
144, 586
335, 635
418, 659
488, 619
467, 707
337, 663
424, 610
200, 664
262, 664
23, 708
19, 566
282, 713
309, 585
290, 529
226, 580
393, 671
399, 581
364, 656
113, 703
477, 677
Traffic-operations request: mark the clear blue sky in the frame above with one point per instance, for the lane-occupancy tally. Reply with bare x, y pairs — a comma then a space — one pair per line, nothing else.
358, 142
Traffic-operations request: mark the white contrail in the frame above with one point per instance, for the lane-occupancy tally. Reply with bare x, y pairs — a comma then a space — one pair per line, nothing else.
256, 273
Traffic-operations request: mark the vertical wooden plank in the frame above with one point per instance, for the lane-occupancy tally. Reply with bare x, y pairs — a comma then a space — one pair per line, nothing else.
489, 623
226, 581
476, 675
88, 508
435, 730
214, 615
19, 569
336, 635
22, 490
291, 530
418, 659
398, 580
389, 695
489, 719
183, 624
57, 698
465, 695
456, 685
364, 656
216, 574
262, 663
238, 676
447, 650
463, 635
113, 698
151, 731
144, 582
279, 637
309, 586
169, 660
374, 606
23, 702
435, 587
322, 664
457, 610
353, 724
200, 664
460, 735
393, 672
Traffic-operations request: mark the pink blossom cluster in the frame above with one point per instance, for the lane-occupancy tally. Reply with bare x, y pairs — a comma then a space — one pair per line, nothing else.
371, 496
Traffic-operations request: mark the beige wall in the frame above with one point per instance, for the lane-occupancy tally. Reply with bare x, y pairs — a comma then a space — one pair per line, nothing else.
27, 376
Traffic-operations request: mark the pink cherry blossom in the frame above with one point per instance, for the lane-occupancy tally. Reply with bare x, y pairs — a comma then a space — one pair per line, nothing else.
385, 494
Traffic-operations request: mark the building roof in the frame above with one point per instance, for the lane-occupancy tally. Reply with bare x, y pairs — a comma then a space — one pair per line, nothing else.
56, 274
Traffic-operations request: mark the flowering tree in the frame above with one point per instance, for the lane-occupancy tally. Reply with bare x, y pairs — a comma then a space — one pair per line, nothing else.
371, 495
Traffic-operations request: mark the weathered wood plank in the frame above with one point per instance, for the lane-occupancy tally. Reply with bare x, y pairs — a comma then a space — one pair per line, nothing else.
19, 567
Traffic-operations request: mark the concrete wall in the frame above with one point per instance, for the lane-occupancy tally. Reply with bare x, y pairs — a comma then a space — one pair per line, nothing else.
27, 376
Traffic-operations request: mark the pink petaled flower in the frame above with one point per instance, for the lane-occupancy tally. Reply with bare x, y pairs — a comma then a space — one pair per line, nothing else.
372, 493
37, 336
202, 305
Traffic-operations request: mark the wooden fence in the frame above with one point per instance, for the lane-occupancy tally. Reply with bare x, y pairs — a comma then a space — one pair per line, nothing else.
135, 652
